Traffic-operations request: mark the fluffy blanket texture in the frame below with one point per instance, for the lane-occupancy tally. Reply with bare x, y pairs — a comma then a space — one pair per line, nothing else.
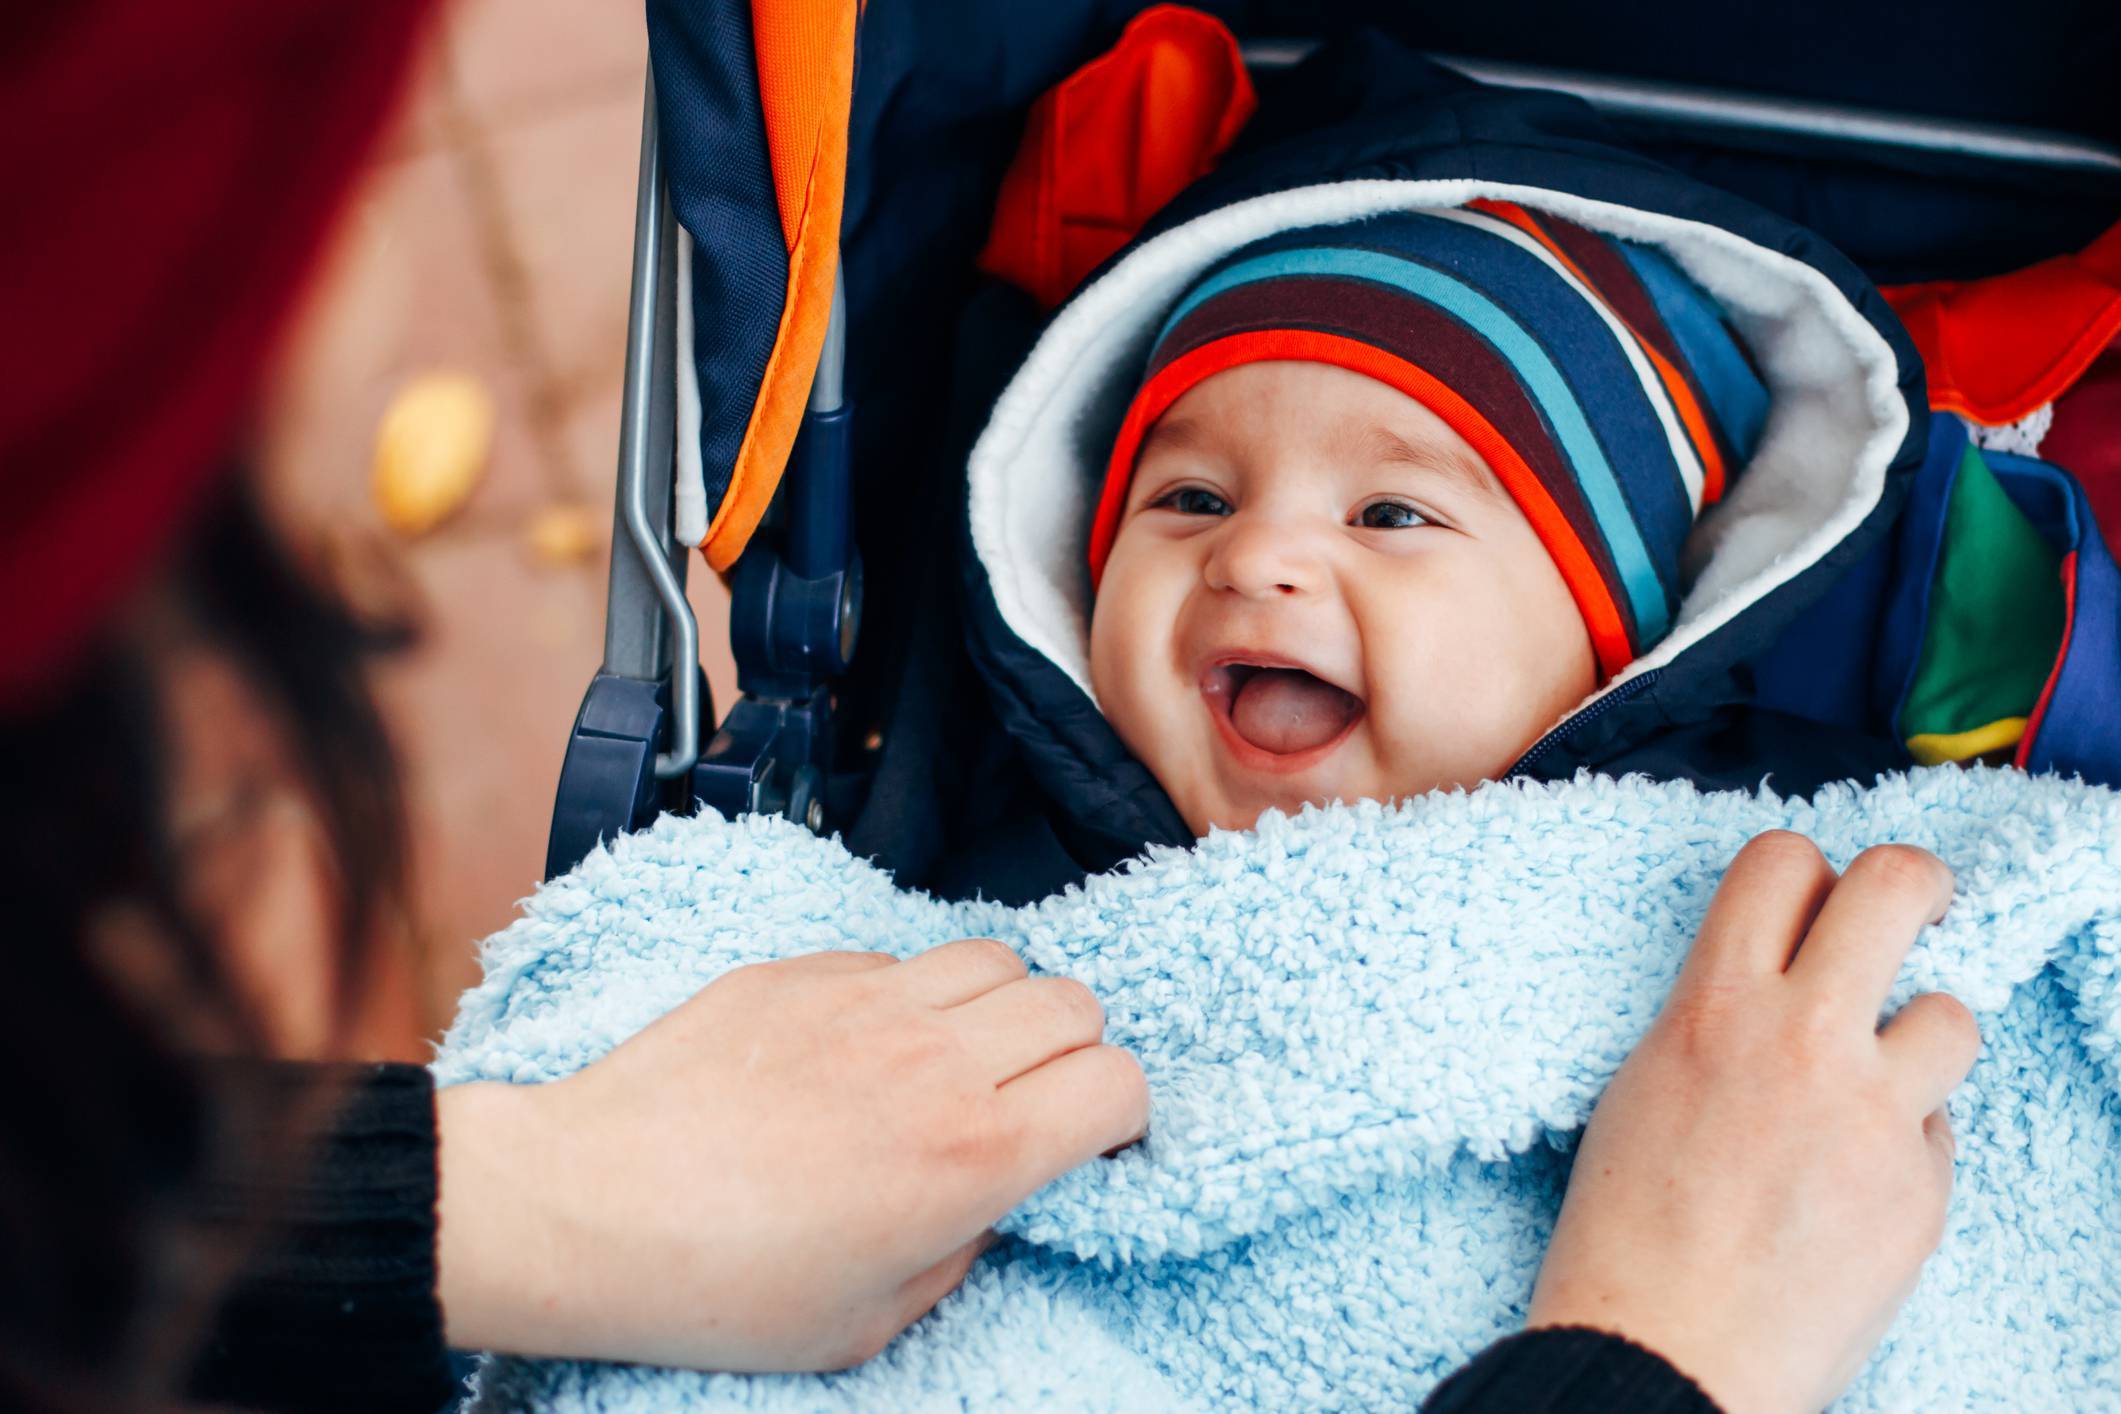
1370, 1034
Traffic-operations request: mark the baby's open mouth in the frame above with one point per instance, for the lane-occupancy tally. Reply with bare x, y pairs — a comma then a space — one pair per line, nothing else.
1282, 711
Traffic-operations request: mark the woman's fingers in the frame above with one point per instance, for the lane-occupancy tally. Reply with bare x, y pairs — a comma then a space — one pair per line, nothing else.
1070, 1110
836, 962
1937, 1129
1931, 1043
955, 973
1861, 936
1755, 1134
1774, 888
1021, 1026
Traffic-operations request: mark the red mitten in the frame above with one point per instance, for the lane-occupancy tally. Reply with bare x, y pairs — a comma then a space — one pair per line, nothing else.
1997, 348
1111, 143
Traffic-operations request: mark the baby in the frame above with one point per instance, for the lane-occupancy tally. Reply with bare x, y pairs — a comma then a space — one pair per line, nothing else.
1393, 497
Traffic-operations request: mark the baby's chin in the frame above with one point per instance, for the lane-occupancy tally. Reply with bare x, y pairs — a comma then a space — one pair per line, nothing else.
1239, 809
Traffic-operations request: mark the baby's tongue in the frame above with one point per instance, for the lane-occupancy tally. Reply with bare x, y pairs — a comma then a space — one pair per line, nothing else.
1286, 710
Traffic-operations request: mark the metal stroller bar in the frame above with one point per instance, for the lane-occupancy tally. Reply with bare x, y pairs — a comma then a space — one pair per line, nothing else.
828, 390
795, 605
650, 626
819, 534
1680, 105
616, 774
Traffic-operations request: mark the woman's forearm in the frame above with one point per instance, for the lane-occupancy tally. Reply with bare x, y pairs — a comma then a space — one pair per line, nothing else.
338, 1310
498, 1276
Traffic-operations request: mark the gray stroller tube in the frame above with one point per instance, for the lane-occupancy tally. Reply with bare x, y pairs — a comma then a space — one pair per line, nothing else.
646, 436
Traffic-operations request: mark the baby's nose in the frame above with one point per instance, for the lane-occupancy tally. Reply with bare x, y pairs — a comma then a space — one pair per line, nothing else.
1263, 559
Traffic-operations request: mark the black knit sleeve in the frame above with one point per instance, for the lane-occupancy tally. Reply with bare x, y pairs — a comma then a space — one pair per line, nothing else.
1568, 1370
338, 1311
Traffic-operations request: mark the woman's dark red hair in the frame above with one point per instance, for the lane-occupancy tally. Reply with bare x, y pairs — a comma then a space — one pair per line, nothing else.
170, 172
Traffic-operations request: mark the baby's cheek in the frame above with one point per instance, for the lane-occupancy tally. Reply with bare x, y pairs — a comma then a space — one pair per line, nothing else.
1108, 650
1456, 698
1126, 651
1444, 733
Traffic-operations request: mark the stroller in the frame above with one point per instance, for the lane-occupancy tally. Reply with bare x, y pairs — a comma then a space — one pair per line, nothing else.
816, 178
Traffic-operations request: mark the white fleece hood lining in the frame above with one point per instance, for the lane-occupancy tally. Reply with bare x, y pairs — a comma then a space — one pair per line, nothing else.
1835, 416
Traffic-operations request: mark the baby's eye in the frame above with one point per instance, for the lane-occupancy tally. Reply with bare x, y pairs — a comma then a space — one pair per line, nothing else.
1389, 515
1193, 501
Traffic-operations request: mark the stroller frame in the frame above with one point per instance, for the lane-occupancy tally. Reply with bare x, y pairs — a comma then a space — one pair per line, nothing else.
635, 749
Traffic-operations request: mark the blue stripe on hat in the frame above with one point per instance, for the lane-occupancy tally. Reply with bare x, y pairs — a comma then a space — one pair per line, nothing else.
1737, 399
1645, 588
1592, 354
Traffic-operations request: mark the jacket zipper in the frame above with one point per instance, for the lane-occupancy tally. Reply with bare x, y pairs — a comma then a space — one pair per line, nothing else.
1626, 692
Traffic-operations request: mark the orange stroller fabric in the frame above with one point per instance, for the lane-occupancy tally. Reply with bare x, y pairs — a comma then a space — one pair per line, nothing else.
805, 56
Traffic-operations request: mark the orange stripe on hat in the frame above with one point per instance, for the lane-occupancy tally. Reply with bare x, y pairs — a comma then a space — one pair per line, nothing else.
1594, 599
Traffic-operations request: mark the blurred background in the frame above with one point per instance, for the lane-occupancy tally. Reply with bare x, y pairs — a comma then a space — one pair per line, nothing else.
489, 249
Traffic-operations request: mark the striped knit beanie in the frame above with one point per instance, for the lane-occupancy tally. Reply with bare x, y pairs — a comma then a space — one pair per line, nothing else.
1601, 385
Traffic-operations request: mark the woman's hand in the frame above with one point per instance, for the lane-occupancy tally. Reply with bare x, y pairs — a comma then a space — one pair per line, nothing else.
782, 1173
1757, 1191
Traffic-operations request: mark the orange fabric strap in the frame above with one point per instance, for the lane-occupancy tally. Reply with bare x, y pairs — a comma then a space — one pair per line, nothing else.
805, 56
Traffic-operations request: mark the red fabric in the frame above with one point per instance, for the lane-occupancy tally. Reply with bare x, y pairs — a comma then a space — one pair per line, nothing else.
1593, 596
1995, 349
1111, 143
2038, 717
170, 171
2085, 440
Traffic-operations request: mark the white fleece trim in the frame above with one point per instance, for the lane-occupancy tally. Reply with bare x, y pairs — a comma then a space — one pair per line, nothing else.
688, 470
2022, 437
1835, 416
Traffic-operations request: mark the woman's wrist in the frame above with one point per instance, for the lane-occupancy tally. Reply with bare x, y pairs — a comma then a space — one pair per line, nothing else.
497, 1274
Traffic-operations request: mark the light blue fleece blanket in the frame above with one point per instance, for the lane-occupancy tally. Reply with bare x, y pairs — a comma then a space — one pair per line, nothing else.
1370, 1033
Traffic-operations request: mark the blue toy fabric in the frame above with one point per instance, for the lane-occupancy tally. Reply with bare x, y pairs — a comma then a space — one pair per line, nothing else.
1370, 1033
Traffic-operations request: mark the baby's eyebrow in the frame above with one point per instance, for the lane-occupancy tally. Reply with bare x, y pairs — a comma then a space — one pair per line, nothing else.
1171, 433
1382, 445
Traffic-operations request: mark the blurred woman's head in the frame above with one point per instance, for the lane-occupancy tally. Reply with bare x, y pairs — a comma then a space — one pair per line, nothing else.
174, 686
144, 797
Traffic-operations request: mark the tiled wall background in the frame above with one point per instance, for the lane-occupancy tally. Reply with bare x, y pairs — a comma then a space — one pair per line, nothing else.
493, 238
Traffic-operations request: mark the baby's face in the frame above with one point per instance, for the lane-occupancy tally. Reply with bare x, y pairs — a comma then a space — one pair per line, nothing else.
1320, 592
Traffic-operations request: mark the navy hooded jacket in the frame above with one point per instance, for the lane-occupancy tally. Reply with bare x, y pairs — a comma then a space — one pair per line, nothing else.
1368, 127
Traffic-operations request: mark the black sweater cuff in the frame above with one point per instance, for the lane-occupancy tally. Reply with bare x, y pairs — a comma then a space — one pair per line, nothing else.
1568, 1370
339, 1311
